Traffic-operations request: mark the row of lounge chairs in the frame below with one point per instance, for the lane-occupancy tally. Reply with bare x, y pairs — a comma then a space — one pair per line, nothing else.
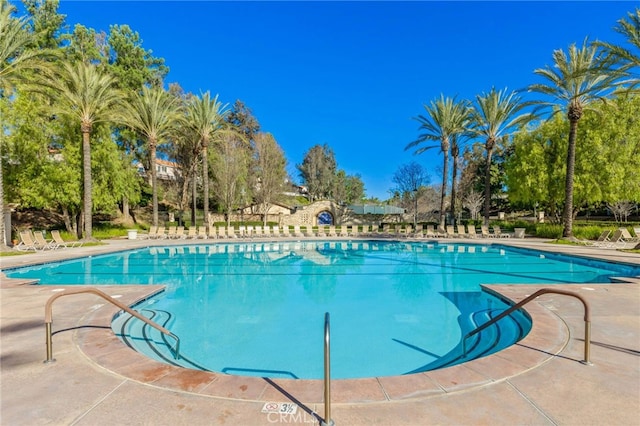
323, 231
35, 241
617, 239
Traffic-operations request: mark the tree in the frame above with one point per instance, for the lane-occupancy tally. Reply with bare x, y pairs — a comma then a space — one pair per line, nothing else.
270, 170
579, 78
230, 172
494, 116
445, 119
629, 57
153, 113
17, 61
318, 171
409, 180
86, 95
205, 115
473, 201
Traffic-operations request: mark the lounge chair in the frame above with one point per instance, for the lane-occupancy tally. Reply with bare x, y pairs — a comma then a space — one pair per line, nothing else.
430, 232
484, 231
222, 232
353, 231
275, 230
160, 233
171, 232
231, 232
202, 232
257, 232
55, 234
461, 231
332, 231
297, 232
451, 232
153, 232
627, 237
636, 230
307, 230
212, 232
266, 232
471, 231
615, 240
42, 243
27, 242
343, 232
498, 232
192, 232
418, 232
365, 230
322, 231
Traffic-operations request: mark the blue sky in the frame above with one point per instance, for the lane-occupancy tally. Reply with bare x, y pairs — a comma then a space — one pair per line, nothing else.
352, 74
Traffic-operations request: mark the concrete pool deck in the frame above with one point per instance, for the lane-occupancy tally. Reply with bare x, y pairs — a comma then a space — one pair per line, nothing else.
97, 380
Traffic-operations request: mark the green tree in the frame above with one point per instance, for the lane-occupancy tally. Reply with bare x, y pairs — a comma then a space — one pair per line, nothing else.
445, 119
205, 116
153, 113
629, 57
318, 171
88, 96
230, 170
494, 116
578, 79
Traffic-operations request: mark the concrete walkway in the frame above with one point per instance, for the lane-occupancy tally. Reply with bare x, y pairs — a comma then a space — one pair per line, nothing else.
96, 380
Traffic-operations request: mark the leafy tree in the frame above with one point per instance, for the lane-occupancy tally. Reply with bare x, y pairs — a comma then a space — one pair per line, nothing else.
152, 113
86, 95
270, 164
17, 61
318, 171
85, 45
205, 116
578, 79
494, 116
242, 118
445, 119
47, 23
629, 57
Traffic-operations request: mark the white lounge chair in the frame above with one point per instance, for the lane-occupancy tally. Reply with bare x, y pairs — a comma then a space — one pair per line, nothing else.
55, 234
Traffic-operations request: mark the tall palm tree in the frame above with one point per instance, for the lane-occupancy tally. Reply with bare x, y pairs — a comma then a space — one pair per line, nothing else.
628, 57
205, 115
445, 118
495, 115
87, 95
153, 113
16, 59
578, 79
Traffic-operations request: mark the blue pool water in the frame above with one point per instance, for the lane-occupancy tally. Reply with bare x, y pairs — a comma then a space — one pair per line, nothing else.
258, 308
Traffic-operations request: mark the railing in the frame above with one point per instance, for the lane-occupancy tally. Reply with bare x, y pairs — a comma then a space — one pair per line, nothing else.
587, 319
327, 373
48, 318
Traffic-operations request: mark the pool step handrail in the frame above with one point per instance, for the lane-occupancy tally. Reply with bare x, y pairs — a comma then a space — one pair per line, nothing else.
587, 319
327, 421
48, 318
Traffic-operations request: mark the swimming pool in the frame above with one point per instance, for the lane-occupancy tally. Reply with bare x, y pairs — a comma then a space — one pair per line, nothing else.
258, 308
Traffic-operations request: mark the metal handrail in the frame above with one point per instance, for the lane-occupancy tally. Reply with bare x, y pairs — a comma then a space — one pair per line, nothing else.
587, 319
48, 318
327, 373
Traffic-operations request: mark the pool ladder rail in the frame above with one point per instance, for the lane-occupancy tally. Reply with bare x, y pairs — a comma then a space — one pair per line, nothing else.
48, 318
587, 319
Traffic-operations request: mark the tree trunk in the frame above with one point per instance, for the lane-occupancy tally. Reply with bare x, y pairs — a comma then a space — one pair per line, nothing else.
487, 187
3, 244
126, 214
454, 155
87, 202
567, 215
193, 194
67, 220
205, 181
154, 179
443, 191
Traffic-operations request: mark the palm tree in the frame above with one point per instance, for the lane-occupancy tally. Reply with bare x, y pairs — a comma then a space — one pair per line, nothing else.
16, 59
87, 95
578, 80
205, 115
494, 116
445, 118
153, 113
631, 30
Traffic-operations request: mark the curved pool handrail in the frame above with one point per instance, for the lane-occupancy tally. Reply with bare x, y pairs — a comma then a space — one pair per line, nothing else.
587, 319
48, 317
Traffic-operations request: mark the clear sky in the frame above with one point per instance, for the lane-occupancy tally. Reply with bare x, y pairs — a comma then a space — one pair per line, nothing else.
352, 74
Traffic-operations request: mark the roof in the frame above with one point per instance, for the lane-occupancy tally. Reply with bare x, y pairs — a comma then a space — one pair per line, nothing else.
373, 209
